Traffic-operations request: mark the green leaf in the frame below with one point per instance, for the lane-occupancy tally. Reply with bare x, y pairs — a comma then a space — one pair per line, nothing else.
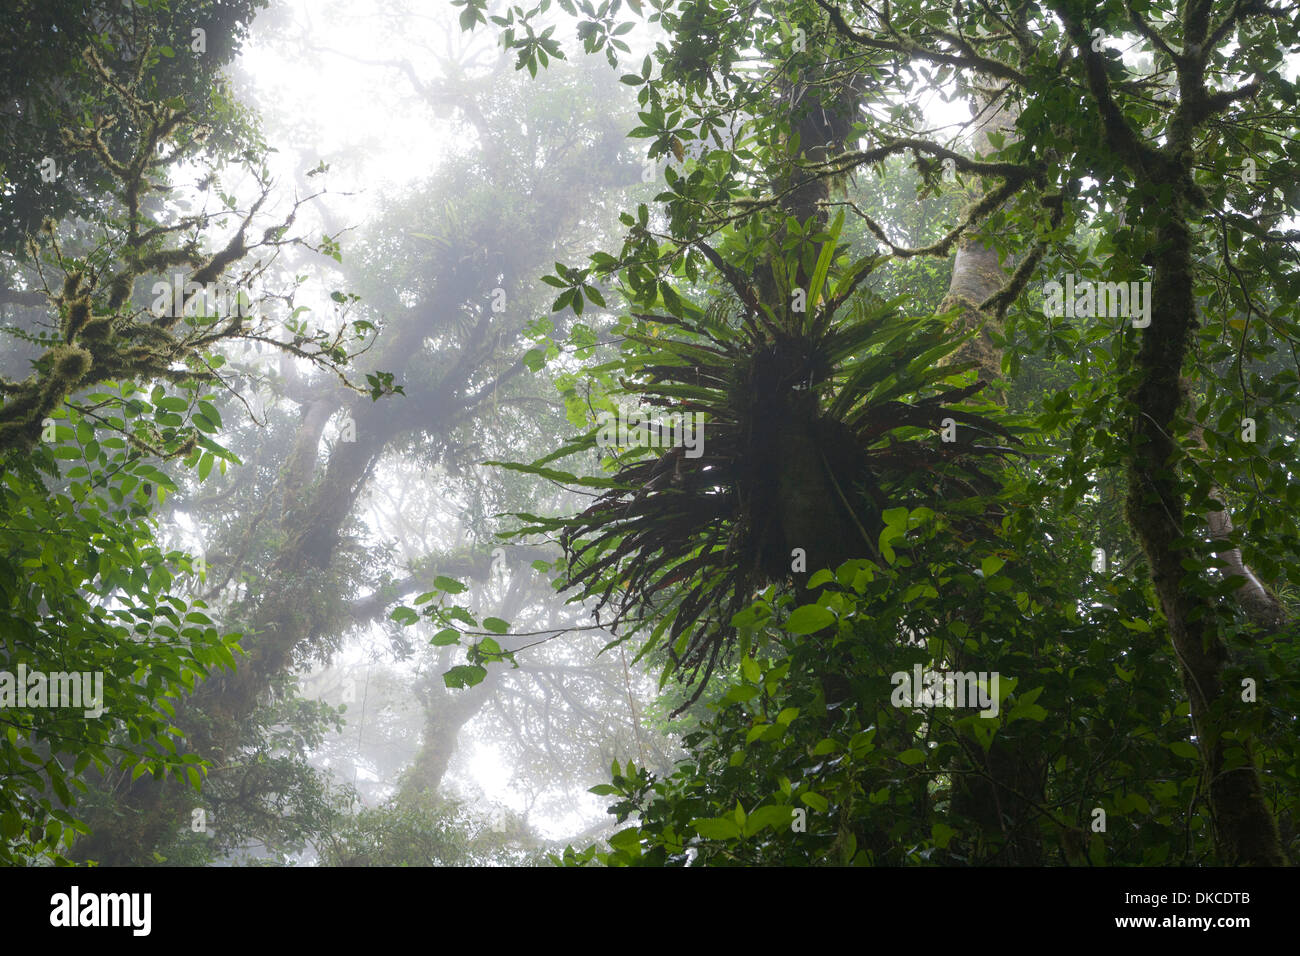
464, 675
740, 693
942, 835
895, 518
629, 840
815, 800
824, 263
495, 625
1182, 748
821, 577
776, 816
717, 828
404, 616
210, 412
809, 619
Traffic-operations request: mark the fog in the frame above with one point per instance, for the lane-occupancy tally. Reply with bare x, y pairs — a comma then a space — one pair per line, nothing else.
675, 433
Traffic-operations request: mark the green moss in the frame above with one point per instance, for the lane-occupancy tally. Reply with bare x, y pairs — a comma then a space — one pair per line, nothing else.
70, 363
71, 284
98, 329
119, 292
78, 316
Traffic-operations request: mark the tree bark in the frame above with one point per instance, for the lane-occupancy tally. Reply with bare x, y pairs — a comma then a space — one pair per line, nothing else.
1003, 792
1245, 831
977, 274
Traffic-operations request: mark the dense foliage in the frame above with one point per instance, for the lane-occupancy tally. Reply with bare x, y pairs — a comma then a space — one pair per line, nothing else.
1136, 534
954, 572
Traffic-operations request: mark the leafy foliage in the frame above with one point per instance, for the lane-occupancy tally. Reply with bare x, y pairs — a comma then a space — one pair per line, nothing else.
790, 410
1176, 161
44, 75
118, 388
86, 589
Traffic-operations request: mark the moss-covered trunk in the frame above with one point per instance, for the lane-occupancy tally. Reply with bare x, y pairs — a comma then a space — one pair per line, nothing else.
1245, 831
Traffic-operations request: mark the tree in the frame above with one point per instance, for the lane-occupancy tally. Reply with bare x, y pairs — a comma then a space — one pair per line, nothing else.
118, 386
1096, 135
175, 51
285, 565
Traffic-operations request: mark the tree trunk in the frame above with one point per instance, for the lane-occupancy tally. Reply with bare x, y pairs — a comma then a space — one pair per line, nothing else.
1245, 831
